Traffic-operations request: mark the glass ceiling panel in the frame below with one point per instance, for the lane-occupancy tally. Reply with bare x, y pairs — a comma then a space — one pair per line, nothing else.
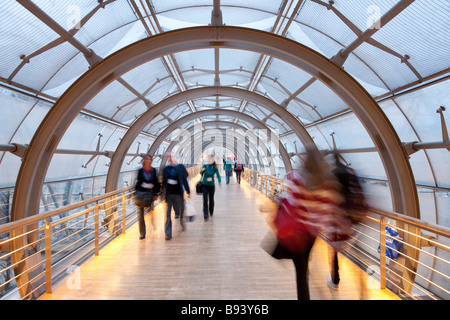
289, 77
314, 39
403, 35
320, 96
271, 6
365, 75
39, 71
248, 18
146, 75
106, 101
128, 113
19, 23
66, 14
319, 18
113, 16
383, 64
363, 13
184, 18
164, 5
237, 59
65, 76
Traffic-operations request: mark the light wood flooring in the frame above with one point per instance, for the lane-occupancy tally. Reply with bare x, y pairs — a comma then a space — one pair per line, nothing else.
221, 259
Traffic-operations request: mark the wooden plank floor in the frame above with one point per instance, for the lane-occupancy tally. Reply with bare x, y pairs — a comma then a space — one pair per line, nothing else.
220, 259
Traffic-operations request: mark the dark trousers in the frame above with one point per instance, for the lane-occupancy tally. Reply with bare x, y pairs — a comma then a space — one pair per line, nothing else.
208, 200
238, 176
176, 201
141, 219
334, 268
301, 270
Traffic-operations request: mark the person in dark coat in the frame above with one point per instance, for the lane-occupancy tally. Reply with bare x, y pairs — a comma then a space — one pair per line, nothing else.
175, 183
147, 190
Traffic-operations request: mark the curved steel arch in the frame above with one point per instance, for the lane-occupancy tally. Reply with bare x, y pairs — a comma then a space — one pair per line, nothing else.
44, 142
252, 149
144, 119
35, 162
258, 124
208, 143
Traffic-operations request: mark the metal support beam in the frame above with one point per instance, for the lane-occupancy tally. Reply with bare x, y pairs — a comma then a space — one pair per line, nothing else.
198, 115
342, 55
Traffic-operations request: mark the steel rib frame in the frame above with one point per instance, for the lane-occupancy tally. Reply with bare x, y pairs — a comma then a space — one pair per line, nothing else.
37, 158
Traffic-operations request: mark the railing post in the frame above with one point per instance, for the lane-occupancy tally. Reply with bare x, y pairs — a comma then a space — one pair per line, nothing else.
382, 253
97, 227
123, 213
48, 256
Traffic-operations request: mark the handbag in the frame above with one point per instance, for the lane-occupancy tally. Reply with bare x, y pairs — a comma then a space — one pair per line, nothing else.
198, 188
189, 211
291, 232
143, 199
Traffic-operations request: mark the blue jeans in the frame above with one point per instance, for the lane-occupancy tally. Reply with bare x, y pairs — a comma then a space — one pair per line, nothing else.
227, 175
176, 201
238, 176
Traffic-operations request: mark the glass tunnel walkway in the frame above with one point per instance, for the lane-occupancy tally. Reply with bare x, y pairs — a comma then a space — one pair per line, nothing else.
218, 259
91, 250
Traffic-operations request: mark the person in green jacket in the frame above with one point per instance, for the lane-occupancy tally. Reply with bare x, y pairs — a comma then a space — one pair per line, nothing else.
208, 188
228, 164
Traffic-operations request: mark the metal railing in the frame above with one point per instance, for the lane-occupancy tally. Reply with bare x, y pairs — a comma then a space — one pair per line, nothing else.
421, 270
41, 249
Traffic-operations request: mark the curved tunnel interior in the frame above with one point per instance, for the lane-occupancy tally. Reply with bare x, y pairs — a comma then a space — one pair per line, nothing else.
88, 88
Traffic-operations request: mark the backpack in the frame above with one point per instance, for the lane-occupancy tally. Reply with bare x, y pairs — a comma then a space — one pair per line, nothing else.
355, 202
238, 165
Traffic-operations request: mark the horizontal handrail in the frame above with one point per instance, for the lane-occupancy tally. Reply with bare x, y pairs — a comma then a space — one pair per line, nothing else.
40, 216
363, 248
50, 243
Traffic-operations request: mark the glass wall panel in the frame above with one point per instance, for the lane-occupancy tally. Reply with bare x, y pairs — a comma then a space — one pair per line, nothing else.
14, 108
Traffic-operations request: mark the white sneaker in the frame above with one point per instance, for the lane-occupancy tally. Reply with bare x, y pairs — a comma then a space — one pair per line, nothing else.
332, 285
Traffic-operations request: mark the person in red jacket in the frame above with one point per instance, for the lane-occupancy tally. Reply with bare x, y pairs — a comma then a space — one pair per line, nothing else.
312, 197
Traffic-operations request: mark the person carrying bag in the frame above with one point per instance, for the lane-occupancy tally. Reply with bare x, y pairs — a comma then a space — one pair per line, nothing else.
147, 190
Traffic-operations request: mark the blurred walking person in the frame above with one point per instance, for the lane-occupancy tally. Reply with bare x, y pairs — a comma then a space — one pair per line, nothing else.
238, 169
312, 194
228, 166
175, 183
208, 186
340, 226
147, 190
